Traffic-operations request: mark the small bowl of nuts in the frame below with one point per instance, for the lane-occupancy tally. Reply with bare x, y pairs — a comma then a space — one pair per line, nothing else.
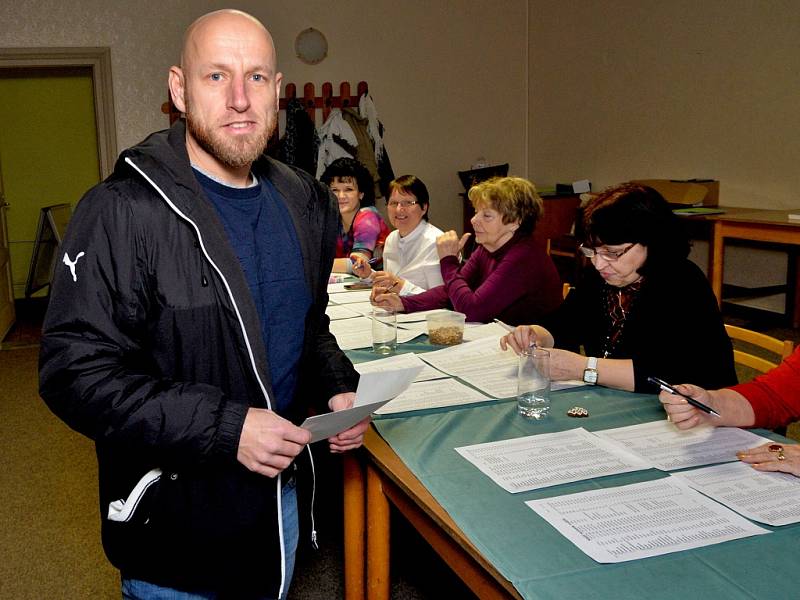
446, 328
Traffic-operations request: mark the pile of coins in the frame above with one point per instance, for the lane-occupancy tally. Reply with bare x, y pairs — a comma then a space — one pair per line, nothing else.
577, 411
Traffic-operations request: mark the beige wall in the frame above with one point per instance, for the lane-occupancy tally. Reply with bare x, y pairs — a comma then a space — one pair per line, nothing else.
644, 88
449, 78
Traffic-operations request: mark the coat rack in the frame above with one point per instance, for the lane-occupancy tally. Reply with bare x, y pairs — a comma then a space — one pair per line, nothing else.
327, 101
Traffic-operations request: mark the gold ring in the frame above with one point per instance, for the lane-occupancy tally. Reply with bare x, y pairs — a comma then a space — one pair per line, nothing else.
775, 448
780, 455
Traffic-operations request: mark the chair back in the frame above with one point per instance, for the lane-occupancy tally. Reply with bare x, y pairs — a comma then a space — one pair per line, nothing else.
780, 348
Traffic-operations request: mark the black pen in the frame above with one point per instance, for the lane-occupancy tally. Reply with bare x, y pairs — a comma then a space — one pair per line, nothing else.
696, 403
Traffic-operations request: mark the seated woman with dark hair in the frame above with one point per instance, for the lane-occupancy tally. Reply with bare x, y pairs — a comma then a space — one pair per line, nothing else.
769, 401
410, 261
509, 276
642, 308
362, 230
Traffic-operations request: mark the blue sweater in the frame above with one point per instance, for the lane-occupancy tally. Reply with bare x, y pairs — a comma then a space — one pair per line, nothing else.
263, 236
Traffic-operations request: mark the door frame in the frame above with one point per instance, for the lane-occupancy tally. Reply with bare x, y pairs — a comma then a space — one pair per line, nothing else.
98, 59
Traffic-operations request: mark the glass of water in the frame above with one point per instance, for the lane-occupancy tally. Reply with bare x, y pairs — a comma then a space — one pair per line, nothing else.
533, 383
384, 331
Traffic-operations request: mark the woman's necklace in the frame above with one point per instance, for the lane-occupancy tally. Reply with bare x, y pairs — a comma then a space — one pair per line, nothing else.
618, 303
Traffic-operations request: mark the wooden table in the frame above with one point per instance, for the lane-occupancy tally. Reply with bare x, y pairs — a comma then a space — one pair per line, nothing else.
758, 225
386, 479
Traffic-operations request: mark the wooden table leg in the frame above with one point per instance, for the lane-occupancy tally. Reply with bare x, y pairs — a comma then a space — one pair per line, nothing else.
354, 527
716, 260
377, 538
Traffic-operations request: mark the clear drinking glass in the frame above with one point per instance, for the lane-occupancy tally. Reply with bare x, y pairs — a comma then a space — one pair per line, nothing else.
384, 331
533, 384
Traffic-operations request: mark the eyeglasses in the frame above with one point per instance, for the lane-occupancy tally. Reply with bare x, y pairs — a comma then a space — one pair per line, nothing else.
400, 203
607, 255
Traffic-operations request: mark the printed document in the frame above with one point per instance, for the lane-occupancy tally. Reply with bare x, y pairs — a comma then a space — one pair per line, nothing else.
350, 296
636, 521
400, 361
766, 497
340, 311
357, 333
481, 363
668, 448
432, 394
539, 461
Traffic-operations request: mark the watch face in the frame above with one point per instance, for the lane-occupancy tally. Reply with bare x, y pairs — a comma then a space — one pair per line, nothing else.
590, 376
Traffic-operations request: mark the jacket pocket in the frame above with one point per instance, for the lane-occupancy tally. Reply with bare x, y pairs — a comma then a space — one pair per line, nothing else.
122, 510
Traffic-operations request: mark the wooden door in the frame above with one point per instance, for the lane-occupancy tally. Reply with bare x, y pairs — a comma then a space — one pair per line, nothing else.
7, 314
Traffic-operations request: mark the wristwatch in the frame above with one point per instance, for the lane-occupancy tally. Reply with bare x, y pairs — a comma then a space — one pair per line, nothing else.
590, 372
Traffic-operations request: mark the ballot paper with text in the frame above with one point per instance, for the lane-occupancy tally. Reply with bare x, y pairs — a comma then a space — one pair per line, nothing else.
340, 311
668, 448
355, 333
484, 365
374, 390
350, 296
400, 361
437, 393
641, 520
539, 461
767, 497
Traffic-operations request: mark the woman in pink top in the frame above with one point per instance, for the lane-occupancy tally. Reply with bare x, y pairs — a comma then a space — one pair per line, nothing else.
769, 401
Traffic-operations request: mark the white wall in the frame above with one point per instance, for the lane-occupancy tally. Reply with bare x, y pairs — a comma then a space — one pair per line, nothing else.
633, 89
449, 78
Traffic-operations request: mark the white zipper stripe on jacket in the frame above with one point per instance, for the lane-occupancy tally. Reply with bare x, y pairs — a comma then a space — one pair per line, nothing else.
178, 211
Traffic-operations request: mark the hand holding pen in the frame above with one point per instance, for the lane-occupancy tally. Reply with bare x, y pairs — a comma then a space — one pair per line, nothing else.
519, 339
361, 265
675, 409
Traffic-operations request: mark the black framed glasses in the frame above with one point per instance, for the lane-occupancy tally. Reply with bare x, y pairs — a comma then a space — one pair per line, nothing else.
400, 203
607, 255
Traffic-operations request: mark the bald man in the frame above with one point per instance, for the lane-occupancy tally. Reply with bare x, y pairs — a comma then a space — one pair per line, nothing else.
186, 332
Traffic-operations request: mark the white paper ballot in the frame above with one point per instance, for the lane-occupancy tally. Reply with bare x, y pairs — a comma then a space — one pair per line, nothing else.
374, 390
539, 461
355, 333
771, 498
400, 361
636, 521
668, 448
340, 311
432, 394
350, 296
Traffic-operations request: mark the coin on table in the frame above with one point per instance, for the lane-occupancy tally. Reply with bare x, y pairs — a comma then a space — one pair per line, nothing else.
577, 411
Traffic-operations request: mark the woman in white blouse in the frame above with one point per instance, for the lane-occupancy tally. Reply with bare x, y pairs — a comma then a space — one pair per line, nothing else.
410, 260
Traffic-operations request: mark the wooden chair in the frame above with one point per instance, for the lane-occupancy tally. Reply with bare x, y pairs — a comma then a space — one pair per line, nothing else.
781, 348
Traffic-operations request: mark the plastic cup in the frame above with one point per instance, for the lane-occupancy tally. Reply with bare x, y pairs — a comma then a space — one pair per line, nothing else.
446, 328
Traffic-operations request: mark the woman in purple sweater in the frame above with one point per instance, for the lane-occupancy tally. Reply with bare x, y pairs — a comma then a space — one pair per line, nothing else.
508, 277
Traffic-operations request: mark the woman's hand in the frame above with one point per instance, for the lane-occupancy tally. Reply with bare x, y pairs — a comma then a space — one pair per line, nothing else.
360, 264
565, 364
388, 281
449, 244
773, 457
682, 414
519, 340
361, 268
382, 298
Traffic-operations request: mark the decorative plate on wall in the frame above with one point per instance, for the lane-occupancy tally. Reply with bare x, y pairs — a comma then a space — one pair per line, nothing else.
311, 46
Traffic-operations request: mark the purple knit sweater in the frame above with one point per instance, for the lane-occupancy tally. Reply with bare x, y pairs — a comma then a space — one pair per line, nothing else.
517, 283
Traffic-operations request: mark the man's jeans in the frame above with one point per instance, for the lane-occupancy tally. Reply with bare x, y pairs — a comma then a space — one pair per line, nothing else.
135, 589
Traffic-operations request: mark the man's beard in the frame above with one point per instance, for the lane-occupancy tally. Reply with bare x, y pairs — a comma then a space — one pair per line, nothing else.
236, 152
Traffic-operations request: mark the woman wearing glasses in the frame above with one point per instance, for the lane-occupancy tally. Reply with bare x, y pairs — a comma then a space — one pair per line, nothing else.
509, 276
643, 308
410, 261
